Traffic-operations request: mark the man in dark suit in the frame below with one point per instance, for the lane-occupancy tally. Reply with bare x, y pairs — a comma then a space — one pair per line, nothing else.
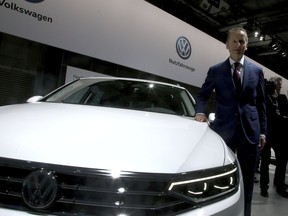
277, 112
240, 115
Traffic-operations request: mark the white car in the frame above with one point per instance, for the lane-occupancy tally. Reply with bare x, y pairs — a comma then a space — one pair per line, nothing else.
114, 147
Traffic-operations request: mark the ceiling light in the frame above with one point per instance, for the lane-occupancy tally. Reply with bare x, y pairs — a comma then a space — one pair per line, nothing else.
256, 33
274, 45
284, 53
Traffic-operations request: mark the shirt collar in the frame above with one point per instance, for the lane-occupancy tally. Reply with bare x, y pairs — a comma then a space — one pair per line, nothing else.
241, 61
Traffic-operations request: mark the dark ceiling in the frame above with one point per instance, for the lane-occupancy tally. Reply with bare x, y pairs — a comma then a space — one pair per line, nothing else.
215, 17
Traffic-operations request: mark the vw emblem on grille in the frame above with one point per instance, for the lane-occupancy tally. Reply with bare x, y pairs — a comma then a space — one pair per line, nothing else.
39, 189
183, 47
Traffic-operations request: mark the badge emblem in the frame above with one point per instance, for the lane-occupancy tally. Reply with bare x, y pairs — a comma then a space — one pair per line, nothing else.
183, 47
34, 1
39, 189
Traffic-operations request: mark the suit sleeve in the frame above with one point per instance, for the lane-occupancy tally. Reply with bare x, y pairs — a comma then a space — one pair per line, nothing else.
261, 104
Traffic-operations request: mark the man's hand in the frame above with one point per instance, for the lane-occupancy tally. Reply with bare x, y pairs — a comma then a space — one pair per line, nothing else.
262, 142
200, 117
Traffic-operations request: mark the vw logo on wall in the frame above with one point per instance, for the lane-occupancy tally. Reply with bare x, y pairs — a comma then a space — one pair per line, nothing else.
183, 47
39, 189
34, 1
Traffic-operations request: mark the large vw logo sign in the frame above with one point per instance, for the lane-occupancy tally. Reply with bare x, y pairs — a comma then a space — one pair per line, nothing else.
39, 189
183, 47
34, 1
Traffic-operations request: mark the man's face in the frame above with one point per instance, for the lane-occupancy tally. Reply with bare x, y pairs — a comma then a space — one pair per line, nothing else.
237, 44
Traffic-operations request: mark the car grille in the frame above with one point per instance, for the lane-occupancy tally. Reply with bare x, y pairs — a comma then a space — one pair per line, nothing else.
63, 190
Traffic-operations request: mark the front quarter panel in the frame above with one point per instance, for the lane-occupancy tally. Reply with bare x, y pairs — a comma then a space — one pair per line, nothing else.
209, 152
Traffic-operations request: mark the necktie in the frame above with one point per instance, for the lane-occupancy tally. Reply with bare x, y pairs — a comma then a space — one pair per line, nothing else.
237, 78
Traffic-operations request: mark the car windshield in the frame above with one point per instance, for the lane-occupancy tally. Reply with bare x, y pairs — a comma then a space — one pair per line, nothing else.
126, 94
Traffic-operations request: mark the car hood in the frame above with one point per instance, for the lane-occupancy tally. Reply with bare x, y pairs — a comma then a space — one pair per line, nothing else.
108, 138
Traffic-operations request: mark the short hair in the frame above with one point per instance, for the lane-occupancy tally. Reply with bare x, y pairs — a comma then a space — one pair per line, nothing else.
239, 28
275, 79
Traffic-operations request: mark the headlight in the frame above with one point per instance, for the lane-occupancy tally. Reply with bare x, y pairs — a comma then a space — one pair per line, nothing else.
206, 185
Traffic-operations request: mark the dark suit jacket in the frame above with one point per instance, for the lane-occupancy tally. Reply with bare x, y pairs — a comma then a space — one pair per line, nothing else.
282, 105
276, 124
249, 109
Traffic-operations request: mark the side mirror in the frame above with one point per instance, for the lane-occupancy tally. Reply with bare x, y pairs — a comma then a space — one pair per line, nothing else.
34, 99
211, 118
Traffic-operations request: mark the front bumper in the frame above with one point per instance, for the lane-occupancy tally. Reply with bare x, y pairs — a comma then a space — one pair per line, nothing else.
31, 188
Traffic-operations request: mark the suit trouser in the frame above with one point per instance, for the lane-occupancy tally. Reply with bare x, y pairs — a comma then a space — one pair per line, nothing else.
280, 171
264, 166
247, 155
275, 138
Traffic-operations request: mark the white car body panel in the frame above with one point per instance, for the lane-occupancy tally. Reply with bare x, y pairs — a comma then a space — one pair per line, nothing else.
174, 147
116, 140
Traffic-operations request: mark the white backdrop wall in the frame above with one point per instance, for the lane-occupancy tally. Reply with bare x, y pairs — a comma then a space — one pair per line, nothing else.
132, 33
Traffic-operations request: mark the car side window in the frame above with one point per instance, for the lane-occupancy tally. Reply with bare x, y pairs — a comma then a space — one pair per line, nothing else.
77, 97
